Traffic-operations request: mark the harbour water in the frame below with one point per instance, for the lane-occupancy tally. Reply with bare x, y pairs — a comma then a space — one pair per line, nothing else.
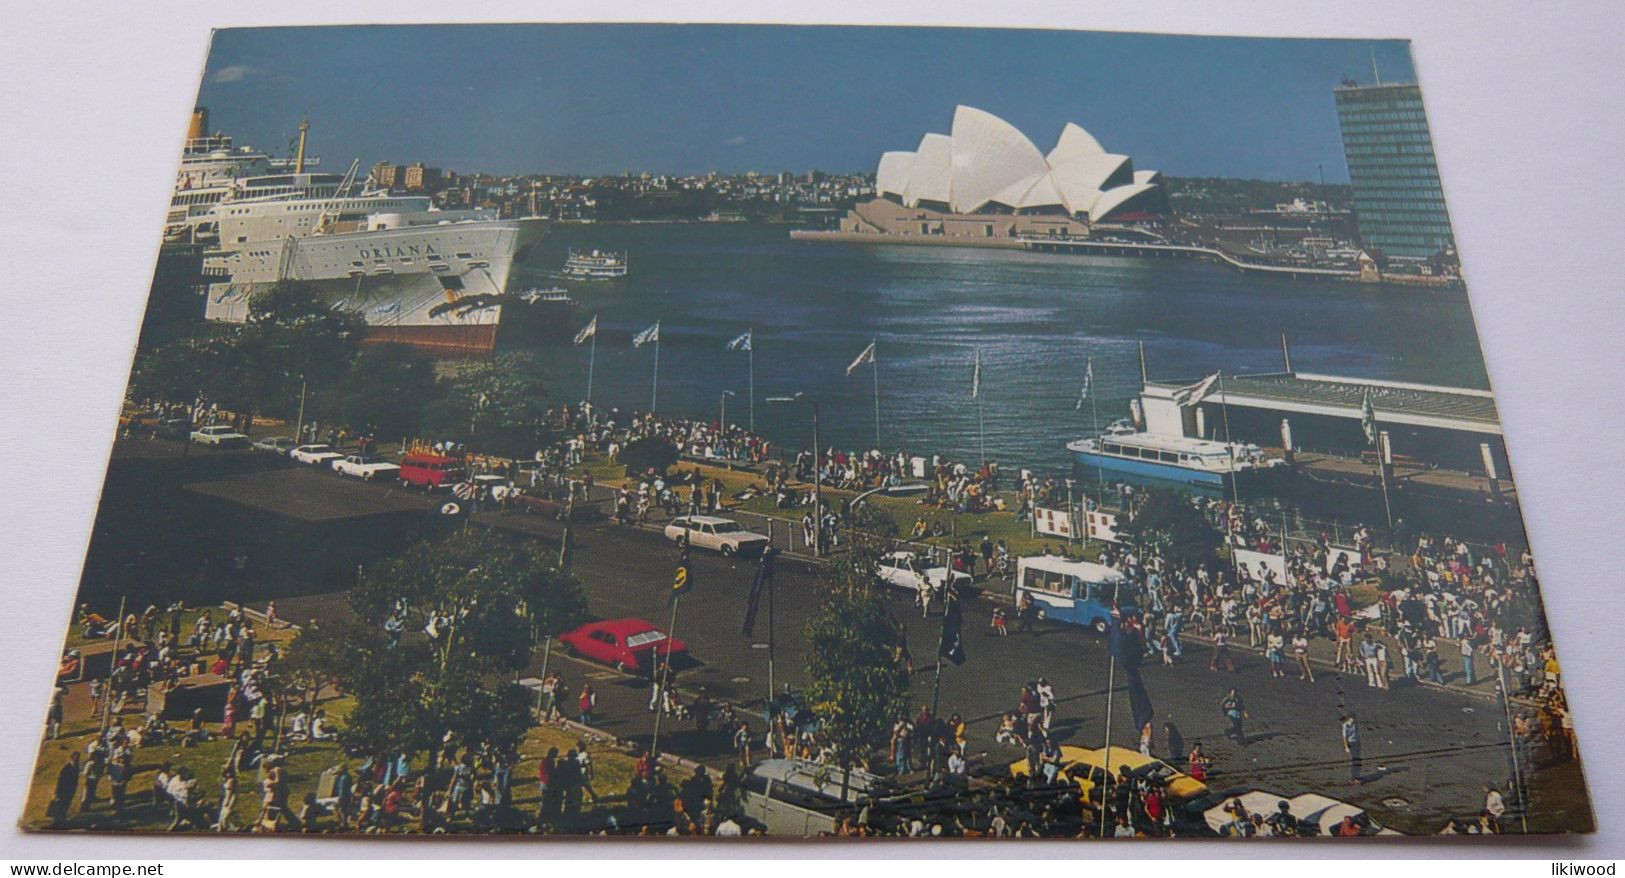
1035, 317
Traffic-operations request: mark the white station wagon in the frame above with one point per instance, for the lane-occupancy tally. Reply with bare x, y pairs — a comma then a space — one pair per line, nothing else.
220, 435
316, 455
908, 570
717, 534
364, 467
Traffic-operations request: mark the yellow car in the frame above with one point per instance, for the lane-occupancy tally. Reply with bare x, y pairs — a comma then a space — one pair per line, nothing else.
1086, 767
139, 418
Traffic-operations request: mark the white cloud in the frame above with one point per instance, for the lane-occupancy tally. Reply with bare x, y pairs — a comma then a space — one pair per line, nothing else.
735, 140
234, 73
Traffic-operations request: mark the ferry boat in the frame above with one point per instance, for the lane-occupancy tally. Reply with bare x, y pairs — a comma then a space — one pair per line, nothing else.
595, 265
1182, 459
539, 314
551, 294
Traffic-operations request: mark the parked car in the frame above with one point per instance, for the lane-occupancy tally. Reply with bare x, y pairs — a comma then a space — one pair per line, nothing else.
174, 428
628, 644
274, 444
141, 419
365, 467
717, 534
907, 570
430, 471
818, 782
315, 455
1087, 768
220, 436
1314, 814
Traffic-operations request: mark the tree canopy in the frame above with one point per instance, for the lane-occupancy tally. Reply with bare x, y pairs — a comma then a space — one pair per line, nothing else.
855, 686
439, 631
1169, 521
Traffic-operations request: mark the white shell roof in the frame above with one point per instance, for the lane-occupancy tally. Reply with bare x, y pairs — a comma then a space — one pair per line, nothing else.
989, 156
1114, 198
930, 177
891, 178
1074, 143
987, 160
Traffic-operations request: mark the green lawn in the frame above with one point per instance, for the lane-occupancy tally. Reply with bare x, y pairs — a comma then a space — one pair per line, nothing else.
902, 511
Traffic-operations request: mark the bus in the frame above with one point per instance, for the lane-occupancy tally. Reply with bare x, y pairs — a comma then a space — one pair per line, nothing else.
1075, 592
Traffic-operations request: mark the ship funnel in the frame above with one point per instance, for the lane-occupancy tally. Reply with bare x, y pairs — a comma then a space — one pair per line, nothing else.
200, 124
299, 162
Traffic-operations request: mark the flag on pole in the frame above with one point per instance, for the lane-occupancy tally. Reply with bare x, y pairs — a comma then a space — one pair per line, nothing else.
950, 645
1139, 700
1368, 419
764, 573
1124, 640
868, 356
976, 376
1088, 380
1193, 393
742, 343
646, 336
588, 331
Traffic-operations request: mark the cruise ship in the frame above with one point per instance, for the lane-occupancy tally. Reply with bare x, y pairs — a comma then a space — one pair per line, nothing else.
417, 274
213, 169
1184, 459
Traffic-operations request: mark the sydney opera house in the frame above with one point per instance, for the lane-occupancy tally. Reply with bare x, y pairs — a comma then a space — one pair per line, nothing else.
988, 180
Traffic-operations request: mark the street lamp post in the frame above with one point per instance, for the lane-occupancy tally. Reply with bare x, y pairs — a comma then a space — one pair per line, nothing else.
818, 494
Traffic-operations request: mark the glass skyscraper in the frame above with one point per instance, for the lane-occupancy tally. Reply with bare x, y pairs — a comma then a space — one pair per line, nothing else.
1398, 201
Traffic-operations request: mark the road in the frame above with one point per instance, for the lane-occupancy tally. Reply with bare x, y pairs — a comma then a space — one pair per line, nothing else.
1427, 751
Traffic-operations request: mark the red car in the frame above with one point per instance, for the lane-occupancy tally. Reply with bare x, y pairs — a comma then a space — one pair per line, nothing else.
628, 644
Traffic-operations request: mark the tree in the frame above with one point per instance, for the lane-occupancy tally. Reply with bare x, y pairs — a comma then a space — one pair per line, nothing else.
854, 685
649, 453
1170, 523
481, 600
386, 390
495, 405
291, 336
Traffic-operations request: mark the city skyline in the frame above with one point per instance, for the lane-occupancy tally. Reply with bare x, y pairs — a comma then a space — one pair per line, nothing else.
735, 99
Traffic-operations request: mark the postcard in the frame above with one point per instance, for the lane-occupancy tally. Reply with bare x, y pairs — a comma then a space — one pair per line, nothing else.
1120, 459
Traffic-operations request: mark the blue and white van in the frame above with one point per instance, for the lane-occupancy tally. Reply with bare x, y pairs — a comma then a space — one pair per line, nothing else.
1076, 592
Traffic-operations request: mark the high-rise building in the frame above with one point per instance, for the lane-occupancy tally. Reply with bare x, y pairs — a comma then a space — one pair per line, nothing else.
1398, 202
384, 175
420, 177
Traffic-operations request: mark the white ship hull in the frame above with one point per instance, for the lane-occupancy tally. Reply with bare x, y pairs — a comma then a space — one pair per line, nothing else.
395, 279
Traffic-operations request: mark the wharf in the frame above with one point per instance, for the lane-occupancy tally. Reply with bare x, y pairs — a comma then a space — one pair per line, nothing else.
1431, 480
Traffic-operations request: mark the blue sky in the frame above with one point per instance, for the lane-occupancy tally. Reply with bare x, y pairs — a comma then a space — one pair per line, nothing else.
597, 99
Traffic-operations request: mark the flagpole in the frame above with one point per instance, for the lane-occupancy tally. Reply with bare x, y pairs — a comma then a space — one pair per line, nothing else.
654, 394
981, 430
750, 366
592, 354
770, 693
665, 678
1106, 746
874, 362
976, 391
1094, 425
1224, 406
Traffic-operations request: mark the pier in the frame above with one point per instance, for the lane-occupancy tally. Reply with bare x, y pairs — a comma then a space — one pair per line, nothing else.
1148, 250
